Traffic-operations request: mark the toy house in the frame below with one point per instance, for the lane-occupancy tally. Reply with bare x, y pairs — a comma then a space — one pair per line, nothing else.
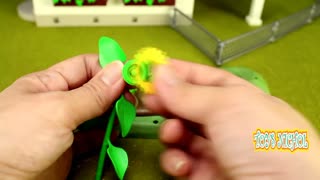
120, 12
176, 13
107, 12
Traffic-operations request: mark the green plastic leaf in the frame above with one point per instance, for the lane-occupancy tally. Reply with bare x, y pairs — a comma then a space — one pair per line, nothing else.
119, 159
150, 2
251, 76
109, 51
79, 2
126, 113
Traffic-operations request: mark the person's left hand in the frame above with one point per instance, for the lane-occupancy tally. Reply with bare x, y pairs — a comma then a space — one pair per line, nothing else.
39, 111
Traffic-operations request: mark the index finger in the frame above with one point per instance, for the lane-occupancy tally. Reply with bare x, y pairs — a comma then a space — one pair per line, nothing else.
204, 75
196, 74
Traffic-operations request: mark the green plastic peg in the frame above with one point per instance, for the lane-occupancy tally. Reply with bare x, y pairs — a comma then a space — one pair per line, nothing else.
134, 71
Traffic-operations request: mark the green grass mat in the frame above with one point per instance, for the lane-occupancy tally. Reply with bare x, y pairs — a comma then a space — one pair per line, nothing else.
290, 65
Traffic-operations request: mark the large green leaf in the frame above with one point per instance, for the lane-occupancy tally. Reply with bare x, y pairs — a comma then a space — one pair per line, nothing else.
126, 113
109, 51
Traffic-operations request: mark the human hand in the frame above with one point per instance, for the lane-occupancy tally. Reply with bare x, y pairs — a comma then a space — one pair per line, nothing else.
214, 115
39, 112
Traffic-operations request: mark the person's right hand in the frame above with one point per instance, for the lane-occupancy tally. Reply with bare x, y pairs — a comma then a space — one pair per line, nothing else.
214, 115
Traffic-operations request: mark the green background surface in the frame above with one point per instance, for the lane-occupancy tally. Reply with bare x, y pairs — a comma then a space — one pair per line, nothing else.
290, 65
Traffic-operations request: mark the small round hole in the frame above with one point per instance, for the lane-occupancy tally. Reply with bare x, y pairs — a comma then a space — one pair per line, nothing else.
56, 20
95, 20
134, 19
155, 122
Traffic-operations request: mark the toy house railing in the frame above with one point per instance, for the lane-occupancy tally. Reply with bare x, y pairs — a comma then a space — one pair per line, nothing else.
224, 51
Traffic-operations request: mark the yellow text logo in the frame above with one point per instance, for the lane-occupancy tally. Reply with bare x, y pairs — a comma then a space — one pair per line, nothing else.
281, 140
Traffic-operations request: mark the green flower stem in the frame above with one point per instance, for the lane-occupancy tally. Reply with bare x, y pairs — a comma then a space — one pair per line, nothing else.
105, 144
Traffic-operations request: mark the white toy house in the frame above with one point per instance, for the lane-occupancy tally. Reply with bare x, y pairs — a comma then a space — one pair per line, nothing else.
115, 12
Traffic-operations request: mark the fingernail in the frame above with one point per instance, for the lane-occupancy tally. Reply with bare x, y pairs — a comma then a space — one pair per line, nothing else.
179, 165
112, 73
166, 74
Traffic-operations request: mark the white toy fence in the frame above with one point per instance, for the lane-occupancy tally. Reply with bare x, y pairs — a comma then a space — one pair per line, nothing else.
224, 51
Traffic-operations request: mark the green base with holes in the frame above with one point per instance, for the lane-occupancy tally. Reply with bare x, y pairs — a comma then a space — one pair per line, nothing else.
146, 127
143, 127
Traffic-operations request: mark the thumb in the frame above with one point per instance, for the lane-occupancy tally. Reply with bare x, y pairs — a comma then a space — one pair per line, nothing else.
96, 96
183, 99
